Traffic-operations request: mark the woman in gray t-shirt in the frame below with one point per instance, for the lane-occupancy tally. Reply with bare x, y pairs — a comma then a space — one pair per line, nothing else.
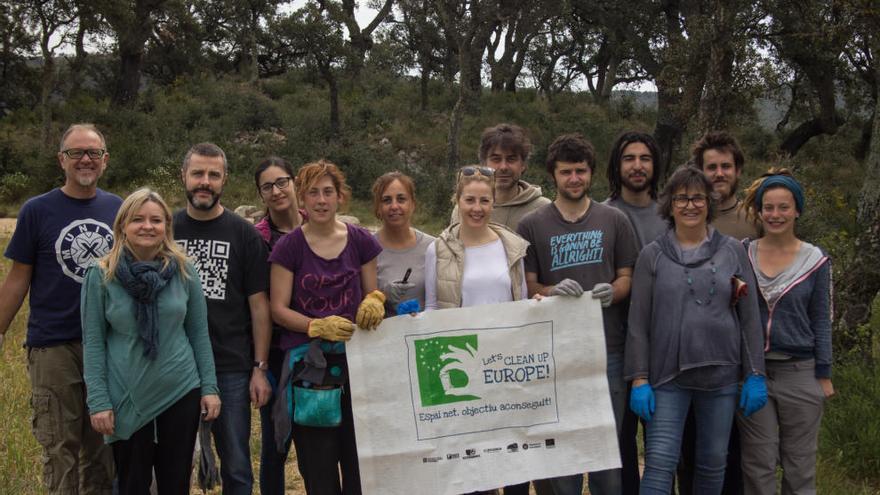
401, 264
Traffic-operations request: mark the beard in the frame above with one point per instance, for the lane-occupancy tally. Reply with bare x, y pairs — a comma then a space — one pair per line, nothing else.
573, 197
732, 186
86, 181
625, 182
202, 205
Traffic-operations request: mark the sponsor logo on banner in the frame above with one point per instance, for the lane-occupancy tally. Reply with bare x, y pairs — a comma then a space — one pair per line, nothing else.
466, 381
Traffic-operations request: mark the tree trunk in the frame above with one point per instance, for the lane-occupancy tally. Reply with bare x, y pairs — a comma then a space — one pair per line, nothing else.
668, 130
452, 143
715, 105
424, 79
801, 134
78, 64
47, 85
129, 81
859, 287
249, 67
328, 75
132, 30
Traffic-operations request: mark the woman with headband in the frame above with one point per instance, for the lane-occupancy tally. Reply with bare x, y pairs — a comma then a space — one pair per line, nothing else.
794, 278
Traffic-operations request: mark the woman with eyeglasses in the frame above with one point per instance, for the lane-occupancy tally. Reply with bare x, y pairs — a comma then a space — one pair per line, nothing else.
323, 280
694, 335
274, 180
401, 264
794, 279
147, 359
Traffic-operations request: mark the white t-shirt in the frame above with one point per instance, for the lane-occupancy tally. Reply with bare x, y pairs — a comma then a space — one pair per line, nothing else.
486, 278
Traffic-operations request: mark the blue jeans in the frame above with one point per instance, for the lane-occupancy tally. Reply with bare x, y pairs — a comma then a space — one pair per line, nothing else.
232, 433
606, 482
713, 411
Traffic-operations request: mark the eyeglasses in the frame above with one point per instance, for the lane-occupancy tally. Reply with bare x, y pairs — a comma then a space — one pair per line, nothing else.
472, 170
680, 201
280, 183
77, 153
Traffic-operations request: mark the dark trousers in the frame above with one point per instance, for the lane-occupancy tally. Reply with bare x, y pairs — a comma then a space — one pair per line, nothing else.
174, 432
322, 451
629, 450
733, 479
271, 461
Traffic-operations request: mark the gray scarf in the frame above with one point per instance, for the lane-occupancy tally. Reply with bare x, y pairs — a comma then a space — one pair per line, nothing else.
143, 280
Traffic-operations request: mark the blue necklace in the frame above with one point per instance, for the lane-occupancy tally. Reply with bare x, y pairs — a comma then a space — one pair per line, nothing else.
690, 282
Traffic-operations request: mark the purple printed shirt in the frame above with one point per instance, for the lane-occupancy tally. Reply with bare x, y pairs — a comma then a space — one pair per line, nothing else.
323, 287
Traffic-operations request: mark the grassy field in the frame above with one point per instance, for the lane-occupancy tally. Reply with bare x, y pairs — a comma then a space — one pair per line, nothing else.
20, 471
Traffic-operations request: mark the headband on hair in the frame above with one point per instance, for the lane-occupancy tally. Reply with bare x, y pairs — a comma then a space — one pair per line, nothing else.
785, 181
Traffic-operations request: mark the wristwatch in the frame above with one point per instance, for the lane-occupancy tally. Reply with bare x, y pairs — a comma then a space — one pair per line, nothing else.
261, 365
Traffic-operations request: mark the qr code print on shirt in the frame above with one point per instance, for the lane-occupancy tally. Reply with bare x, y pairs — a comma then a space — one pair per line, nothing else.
211, 259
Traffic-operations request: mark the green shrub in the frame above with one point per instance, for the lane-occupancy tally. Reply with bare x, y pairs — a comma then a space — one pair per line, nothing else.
850, 433
14, 187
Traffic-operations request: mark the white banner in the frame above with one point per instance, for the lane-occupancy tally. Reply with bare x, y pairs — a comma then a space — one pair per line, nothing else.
458, 400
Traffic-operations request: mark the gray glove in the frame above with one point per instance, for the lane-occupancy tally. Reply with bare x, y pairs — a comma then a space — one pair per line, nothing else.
567, 287
604, 293
398, 290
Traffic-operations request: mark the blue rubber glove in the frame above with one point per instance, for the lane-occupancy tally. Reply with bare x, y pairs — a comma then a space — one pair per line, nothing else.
641, 401
754, 395
408, 306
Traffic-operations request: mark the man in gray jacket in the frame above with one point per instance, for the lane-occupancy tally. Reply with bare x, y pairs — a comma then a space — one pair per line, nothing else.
505, 148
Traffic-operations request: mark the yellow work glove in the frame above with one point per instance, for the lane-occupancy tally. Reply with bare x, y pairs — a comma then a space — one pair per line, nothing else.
371, 311
331, 328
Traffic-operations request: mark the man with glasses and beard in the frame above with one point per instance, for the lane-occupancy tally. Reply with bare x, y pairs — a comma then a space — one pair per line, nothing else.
575, 244
633, 174
230, 257
57, 237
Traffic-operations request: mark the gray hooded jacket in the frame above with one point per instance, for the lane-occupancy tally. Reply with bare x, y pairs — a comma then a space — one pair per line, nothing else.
683, 324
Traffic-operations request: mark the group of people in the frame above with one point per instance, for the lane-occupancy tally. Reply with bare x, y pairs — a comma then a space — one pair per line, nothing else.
143, 323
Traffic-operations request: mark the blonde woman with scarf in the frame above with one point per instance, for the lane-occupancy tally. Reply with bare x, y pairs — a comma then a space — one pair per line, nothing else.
148, 364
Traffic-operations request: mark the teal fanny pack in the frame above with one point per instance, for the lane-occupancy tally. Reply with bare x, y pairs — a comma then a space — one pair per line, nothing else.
320, 407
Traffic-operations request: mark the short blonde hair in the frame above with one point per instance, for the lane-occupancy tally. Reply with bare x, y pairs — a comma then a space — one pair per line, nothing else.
132, 204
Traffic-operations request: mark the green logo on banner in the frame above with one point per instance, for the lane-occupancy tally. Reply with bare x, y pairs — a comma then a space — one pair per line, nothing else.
447, 367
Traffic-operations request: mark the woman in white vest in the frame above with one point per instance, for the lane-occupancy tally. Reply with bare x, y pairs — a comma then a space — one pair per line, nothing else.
473, 261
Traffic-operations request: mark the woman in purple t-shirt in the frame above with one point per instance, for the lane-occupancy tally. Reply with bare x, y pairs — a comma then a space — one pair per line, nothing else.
323, 278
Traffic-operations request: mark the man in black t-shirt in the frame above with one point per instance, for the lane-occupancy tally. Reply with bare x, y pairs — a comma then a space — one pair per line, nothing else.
230, 257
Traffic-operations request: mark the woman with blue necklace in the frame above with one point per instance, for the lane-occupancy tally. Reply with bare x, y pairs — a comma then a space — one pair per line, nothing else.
694, 334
